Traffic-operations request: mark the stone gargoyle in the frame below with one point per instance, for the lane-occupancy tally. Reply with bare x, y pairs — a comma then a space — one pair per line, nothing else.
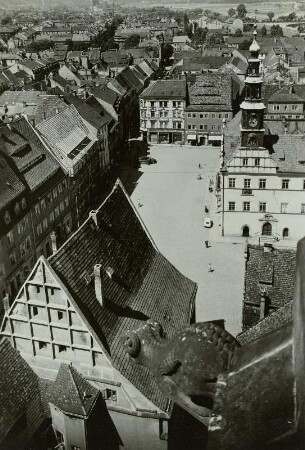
187, 366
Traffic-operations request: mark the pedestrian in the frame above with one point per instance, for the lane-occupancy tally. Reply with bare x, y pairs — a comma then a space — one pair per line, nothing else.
206, 244
199, 166
209, 267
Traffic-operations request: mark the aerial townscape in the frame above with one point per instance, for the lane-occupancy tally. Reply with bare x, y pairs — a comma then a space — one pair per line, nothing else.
152, 216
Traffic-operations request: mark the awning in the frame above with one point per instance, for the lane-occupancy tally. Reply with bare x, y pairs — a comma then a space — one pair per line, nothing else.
191, 137
214, 138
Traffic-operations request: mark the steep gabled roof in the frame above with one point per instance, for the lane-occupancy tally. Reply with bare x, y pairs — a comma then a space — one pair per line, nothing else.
165, 89
143, 285
18, 385
72, 393
212, 91
10, 184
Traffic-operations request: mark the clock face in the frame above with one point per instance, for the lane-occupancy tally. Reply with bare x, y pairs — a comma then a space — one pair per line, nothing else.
253, 122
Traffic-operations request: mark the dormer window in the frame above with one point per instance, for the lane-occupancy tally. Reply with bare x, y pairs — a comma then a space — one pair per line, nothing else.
7, 217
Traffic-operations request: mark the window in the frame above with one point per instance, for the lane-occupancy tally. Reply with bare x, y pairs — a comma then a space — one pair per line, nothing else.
17, 208
39, 229
189, 127
201, 127
246, 206
294, 107
152, 104
219, 115
62, 348
23, 203
303, 208
201, 116
37, 209
49, 197
34, 311
189, 115
75, 447
152, 114
13, 258
226, 115
213, 127
109, 394
257, 162
247, 183
66, 202
42, 344
262, 183
61, 206
205, 127
284, 207
163, 104
231, 206
54, 193
60, 315
213, 116
64, 183
276, 107
232, 182
245, 161
10, 237
22, 249
45, 223
56, 211
285, 184
7, 217
193, 127
51, 216
43, 204
28, 243
262, 206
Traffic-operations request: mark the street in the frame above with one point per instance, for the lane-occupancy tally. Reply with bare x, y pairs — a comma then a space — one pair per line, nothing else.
171, 200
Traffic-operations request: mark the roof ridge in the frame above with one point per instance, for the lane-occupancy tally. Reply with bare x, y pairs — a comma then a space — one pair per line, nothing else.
73, 372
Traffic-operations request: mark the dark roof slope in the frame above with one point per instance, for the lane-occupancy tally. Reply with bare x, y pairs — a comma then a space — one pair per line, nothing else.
10, 185
87, 112
276, 271
18, 385
165, 89
212, 91
72, 393
144, 284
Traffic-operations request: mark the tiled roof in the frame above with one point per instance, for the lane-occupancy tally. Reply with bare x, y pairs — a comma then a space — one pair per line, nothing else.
18, 385
278, 126
86, 112
107, 95
130, 79
212, 91
165, 89
72, 393
270, 323
285, 95
10, 185
66, 133
144, 284
39, 165
48, 105
30, 97
276, 270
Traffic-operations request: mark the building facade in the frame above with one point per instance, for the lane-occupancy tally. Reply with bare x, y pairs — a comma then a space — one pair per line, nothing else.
162, 106
262, 176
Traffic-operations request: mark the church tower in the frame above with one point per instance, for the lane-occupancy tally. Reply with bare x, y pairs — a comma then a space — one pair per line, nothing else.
252, 123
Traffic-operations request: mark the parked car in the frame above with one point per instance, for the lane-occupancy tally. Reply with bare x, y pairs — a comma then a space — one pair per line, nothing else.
208, 222
147, 160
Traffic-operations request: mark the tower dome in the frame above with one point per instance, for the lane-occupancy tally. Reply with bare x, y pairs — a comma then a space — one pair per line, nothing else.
254, 47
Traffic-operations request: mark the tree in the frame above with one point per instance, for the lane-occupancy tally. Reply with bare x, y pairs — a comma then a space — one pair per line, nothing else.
241, 11
6, 20
270, 15
276, 30
244, 45
132, 41
238, 32
168, 51
292, 16
263, 31
231, 12
199, 36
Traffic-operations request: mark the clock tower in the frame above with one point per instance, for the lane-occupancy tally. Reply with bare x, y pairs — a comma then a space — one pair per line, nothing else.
252, 123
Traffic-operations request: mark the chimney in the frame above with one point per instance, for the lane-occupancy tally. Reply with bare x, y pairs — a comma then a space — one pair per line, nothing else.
98, 285
268, 248
110, 272
6, 303
262, 303
54, 242
94, 214
44, 115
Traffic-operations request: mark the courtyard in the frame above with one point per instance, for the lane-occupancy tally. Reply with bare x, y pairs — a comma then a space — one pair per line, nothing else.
171, 200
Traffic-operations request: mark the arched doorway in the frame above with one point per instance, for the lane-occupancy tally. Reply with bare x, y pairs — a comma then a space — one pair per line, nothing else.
285, 232
267, 229
246, 231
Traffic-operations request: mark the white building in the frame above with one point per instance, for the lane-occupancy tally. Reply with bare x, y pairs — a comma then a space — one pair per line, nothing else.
262, 177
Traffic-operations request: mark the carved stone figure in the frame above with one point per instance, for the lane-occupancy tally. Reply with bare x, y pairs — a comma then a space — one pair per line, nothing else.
186, 366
